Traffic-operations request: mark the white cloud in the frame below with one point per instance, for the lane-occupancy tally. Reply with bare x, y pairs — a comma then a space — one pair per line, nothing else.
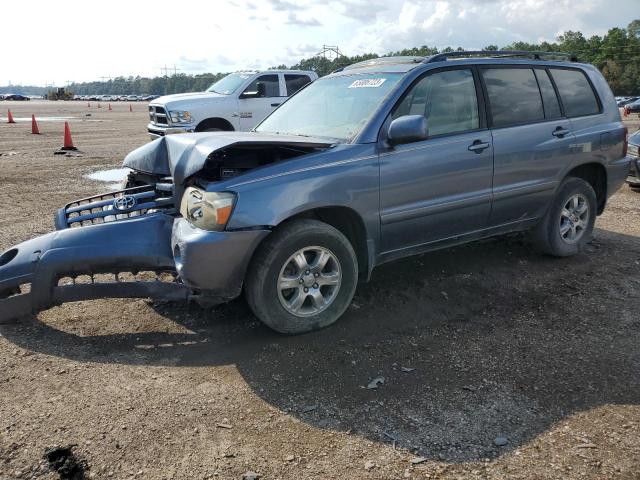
85, 41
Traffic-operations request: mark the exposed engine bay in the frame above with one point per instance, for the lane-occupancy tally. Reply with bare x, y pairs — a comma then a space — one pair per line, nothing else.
240, 158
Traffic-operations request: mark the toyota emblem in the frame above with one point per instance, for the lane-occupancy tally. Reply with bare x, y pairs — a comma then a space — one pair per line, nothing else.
124, 203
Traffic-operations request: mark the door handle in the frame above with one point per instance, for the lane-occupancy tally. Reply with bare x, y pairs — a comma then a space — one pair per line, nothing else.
478, 146
560, 132
275, 104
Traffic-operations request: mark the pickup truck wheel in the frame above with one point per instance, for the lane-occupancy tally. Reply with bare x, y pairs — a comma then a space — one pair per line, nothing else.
568, 224
302, 278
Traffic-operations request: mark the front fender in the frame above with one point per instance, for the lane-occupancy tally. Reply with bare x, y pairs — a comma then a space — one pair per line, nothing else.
268, 201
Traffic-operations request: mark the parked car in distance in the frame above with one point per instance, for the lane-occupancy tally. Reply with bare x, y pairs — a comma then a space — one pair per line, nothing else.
633, 107
626, 101
131, 98
16, 97
634, 172
238, 101
384, 159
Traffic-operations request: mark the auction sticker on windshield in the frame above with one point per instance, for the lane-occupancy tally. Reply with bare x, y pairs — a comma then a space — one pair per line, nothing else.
368, 83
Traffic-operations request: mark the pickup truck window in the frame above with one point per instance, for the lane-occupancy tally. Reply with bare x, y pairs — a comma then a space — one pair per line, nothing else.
271, 86
334, 107
229, 84
295, 83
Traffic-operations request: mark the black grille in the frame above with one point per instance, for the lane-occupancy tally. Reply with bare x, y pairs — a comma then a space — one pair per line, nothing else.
118, 205
158, 115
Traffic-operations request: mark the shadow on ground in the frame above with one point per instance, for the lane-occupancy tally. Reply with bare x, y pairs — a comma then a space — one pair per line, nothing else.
481, 341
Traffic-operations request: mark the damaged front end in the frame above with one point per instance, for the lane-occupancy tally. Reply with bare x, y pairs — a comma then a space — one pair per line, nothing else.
133, 243
112, 245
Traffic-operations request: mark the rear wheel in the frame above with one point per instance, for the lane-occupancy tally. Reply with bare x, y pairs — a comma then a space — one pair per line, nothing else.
568, 224
302, 278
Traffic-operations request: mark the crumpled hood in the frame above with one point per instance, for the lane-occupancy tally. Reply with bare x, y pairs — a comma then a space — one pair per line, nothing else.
180, 156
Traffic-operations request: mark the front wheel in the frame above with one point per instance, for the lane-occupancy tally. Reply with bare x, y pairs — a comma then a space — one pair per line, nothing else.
568, 224
302, 277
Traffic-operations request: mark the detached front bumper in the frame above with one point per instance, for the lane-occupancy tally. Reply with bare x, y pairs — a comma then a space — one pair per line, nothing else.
153, 255
156, 131
90, 262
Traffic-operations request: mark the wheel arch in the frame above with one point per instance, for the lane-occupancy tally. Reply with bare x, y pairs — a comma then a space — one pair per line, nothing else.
595, 174
214, 122
350, 224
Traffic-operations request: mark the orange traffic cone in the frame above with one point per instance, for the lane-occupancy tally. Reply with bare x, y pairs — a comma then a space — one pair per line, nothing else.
99, 105
130, 109
109, 107
10, 117
68, 143
34, 126
88, 105
626, 112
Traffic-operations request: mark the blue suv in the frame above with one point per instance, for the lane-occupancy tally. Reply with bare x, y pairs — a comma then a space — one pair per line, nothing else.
381, 160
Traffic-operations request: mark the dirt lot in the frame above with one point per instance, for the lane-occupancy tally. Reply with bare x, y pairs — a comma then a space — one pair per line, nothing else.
483, 341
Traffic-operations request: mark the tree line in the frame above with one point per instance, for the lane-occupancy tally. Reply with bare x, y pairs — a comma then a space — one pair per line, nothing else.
616, 54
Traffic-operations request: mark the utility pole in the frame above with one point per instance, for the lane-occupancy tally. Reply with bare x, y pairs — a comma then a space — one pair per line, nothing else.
329, 49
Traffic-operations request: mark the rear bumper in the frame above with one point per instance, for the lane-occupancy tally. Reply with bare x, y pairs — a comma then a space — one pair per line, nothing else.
633, 178
156, 131
617, 173
88, 262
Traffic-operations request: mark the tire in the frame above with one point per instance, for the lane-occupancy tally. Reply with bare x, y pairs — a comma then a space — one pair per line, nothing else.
553, 235
212, 129
274, 266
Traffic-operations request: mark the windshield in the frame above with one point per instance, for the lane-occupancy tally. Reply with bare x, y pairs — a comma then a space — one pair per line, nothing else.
334, 107
229, 84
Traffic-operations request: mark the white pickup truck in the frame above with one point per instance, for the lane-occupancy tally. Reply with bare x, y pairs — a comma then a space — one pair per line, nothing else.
238, 101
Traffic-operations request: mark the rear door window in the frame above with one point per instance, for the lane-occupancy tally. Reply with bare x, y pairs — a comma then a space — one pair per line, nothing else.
575, 91
549, 98
295, 82
447, 99
514, 97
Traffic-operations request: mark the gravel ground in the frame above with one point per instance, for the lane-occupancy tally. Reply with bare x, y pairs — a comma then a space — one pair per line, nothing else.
497, 362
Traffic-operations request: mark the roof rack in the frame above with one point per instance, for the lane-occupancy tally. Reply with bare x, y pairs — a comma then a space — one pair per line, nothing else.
440, 57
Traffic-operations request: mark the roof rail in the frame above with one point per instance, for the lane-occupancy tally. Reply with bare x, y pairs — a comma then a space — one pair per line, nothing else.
440, 57
384, 60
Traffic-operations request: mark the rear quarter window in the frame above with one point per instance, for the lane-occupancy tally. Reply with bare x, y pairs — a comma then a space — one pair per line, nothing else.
576, 93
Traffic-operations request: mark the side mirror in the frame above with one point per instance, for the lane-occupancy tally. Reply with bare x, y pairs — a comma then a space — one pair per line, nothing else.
407, 129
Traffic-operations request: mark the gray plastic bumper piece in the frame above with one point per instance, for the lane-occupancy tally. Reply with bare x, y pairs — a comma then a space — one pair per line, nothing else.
30, 272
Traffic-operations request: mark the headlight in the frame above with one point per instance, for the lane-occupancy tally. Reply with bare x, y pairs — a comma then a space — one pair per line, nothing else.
207, 210
180, 116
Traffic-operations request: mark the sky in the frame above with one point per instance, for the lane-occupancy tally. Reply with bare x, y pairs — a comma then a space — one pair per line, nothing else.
82, 40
